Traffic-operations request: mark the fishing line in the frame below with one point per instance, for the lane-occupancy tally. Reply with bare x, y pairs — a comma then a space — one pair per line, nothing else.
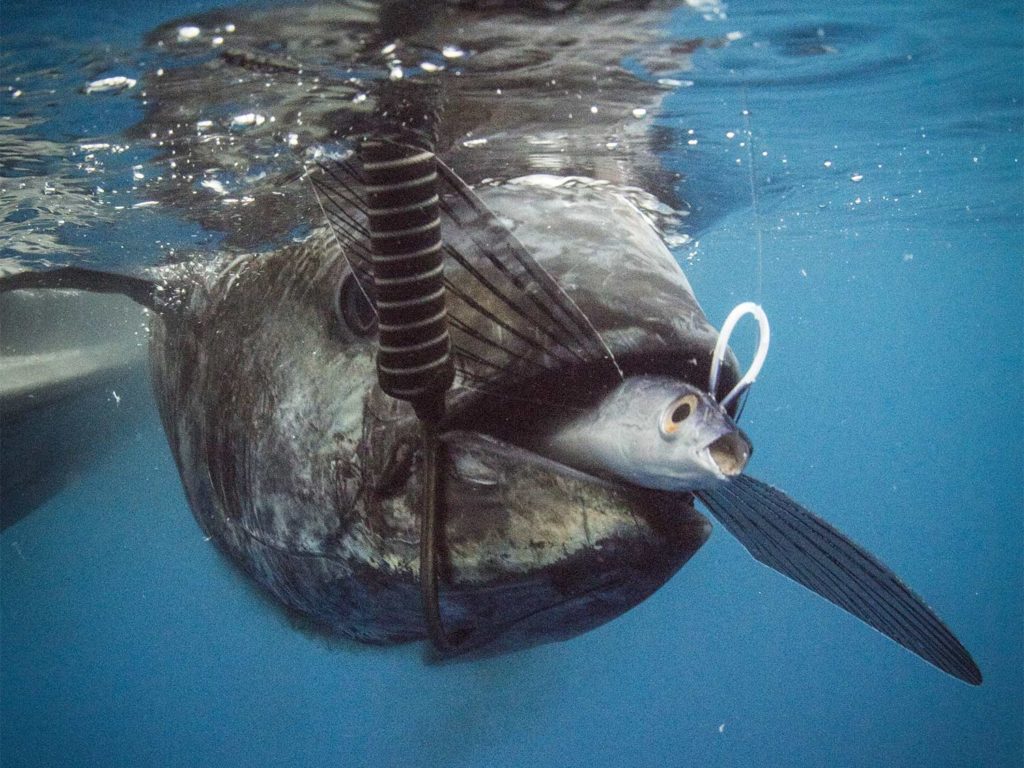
742, 389
753, 196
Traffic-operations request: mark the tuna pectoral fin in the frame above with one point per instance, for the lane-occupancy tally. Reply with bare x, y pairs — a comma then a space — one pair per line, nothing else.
138, 289
798, 544
72, 379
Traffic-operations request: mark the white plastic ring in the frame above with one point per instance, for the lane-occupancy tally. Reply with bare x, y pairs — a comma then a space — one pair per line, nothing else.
717, 358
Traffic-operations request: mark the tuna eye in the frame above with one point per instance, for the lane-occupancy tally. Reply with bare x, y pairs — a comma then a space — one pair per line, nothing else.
354, 307
678, 412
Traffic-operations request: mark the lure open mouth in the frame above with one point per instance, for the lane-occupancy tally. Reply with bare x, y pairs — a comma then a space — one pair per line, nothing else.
730, 453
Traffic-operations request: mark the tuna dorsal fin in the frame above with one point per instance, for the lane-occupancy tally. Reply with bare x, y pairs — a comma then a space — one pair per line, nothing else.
138, 289
509, 319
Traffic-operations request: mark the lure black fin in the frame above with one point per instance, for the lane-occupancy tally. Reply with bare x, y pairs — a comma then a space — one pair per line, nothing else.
138, 289
797, 543
509, 320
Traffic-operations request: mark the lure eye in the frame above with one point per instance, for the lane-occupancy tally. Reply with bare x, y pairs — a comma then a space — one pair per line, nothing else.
678, 412
354, 308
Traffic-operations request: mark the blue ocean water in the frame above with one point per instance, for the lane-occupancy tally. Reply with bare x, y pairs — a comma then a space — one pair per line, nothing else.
874, 151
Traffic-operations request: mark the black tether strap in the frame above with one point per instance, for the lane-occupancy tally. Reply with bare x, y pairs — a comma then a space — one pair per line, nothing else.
431, 523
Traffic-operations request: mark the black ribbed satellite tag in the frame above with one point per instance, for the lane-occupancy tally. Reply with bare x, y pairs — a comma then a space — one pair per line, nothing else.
414, 359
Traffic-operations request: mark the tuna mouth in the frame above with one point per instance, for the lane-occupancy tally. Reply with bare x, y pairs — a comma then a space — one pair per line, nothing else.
488, 460
541, 552
730, 453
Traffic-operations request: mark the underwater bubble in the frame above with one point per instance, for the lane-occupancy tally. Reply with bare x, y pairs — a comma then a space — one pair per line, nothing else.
214, 185
247, 120
110, 84
188, 33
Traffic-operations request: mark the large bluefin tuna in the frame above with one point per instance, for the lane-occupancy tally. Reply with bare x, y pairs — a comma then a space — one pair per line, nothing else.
311, 479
